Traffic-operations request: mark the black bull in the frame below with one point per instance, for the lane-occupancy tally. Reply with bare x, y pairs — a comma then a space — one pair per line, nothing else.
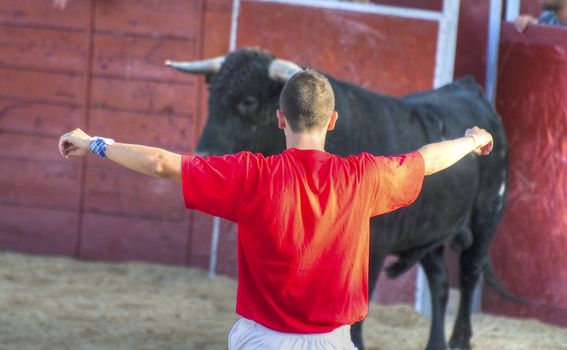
461, 206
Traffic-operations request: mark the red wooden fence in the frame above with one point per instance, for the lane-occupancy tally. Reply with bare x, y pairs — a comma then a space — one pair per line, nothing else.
98, 65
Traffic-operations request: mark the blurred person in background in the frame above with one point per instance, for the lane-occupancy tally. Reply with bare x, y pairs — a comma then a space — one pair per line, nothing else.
554, 13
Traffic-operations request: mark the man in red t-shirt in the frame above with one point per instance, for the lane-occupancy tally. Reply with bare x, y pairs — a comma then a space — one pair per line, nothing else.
303, 215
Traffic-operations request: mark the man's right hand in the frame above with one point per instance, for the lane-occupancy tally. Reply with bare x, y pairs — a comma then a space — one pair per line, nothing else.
482, 138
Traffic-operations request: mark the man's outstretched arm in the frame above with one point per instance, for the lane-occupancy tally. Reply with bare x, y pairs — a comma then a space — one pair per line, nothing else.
441, 155
142, 159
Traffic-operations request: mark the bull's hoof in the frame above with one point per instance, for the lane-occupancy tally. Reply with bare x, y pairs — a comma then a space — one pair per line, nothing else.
358, 345
436, 346
456, 345
439, 347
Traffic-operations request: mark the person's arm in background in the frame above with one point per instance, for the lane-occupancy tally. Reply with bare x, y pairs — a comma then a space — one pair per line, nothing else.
142, 159
441, 155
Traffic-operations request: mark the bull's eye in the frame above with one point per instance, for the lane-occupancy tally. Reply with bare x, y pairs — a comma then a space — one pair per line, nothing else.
248, 105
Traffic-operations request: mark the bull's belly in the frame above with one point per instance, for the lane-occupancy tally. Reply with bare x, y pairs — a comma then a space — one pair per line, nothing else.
442, 211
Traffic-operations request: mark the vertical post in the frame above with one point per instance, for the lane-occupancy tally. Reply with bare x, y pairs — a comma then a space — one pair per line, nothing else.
234, 24
214, 247
494, 24
444, 68
446, 43
87, 123
216, 220
493, 45
512, 9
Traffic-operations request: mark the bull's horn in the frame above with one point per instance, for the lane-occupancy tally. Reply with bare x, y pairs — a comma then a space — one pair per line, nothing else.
282, 70
210, 66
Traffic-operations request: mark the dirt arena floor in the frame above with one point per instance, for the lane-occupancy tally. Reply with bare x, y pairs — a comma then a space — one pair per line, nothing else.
59, 303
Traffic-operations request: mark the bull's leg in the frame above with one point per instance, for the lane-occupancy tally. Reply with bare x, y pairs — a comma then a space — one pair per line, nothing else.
377, 257
470, 272
436, 271
471, 263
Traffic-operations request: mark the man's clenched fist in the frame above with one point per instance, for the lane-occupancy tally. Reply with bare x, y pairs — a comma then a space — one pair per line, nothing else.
74, 143
483, 140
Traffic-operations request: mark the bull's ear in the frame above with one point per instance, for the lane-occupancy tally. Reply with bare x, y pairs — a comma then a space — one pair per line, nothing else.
205, 67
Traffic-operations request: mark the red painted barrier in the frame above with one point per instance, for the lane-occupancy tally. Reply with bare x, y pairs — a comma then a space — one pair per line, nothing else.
530, 250
352, 46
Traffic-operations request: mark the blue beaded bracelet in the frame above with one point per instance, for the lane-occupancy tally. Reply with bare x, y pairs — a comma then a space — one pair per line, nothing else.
98, 145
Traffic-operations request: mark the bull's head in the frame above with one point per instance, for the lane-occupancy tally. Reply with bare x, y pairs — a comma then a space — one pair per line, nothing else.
243, 97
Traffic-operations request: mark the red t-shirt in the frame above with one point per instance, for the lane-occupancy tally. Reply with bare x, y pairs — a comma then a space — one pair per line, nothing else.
303, 228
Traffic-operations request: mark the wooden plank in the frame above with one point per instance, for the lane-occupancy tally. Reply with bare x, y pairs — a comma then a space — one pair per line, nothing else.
29, 117
136, 57
471, 40
158, 19
227, 249
32, 12
30, 147
395, 291
201, 234
216, 37
173, 133
218, 6
44, 49
40, 184
122, 192
199, 261
532, 7
144, 97
434, 5
119, 239
36, 230
355, 47
40, 87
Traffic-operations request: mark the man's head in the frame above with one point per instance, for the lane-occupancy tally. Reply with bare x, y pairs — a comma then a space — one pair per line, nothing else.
307, 102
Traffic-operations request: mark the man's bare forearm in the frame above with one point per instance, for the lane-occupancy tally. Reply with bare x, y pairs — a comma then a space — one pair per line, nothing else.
441, 155
146, 160
142, 159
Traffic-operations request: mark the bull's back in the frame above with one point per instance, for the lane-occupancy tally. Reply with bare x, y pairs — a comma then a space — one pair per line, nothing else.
457, 106
380, 124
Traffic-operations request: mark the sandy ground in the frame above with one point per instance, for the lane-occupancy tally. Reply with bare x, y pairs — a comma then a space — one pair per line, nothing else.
59, 303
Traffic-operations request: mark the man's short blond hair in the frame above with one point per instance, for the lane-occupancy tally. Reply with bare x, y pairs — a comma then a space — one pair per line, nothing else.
307, 100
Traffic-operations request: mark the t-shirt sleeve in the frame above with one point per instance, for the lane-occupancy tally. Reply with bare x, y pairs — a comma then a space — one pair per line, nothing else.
397, 181
214, 184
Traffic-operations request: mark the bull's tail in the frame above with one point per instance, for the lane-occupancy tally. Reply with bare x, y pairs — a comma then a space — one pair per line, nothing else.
493, 282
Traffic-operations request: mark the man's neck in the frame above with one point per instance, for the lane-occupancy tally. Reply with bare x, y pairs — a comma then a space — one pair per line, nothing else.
305, 141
